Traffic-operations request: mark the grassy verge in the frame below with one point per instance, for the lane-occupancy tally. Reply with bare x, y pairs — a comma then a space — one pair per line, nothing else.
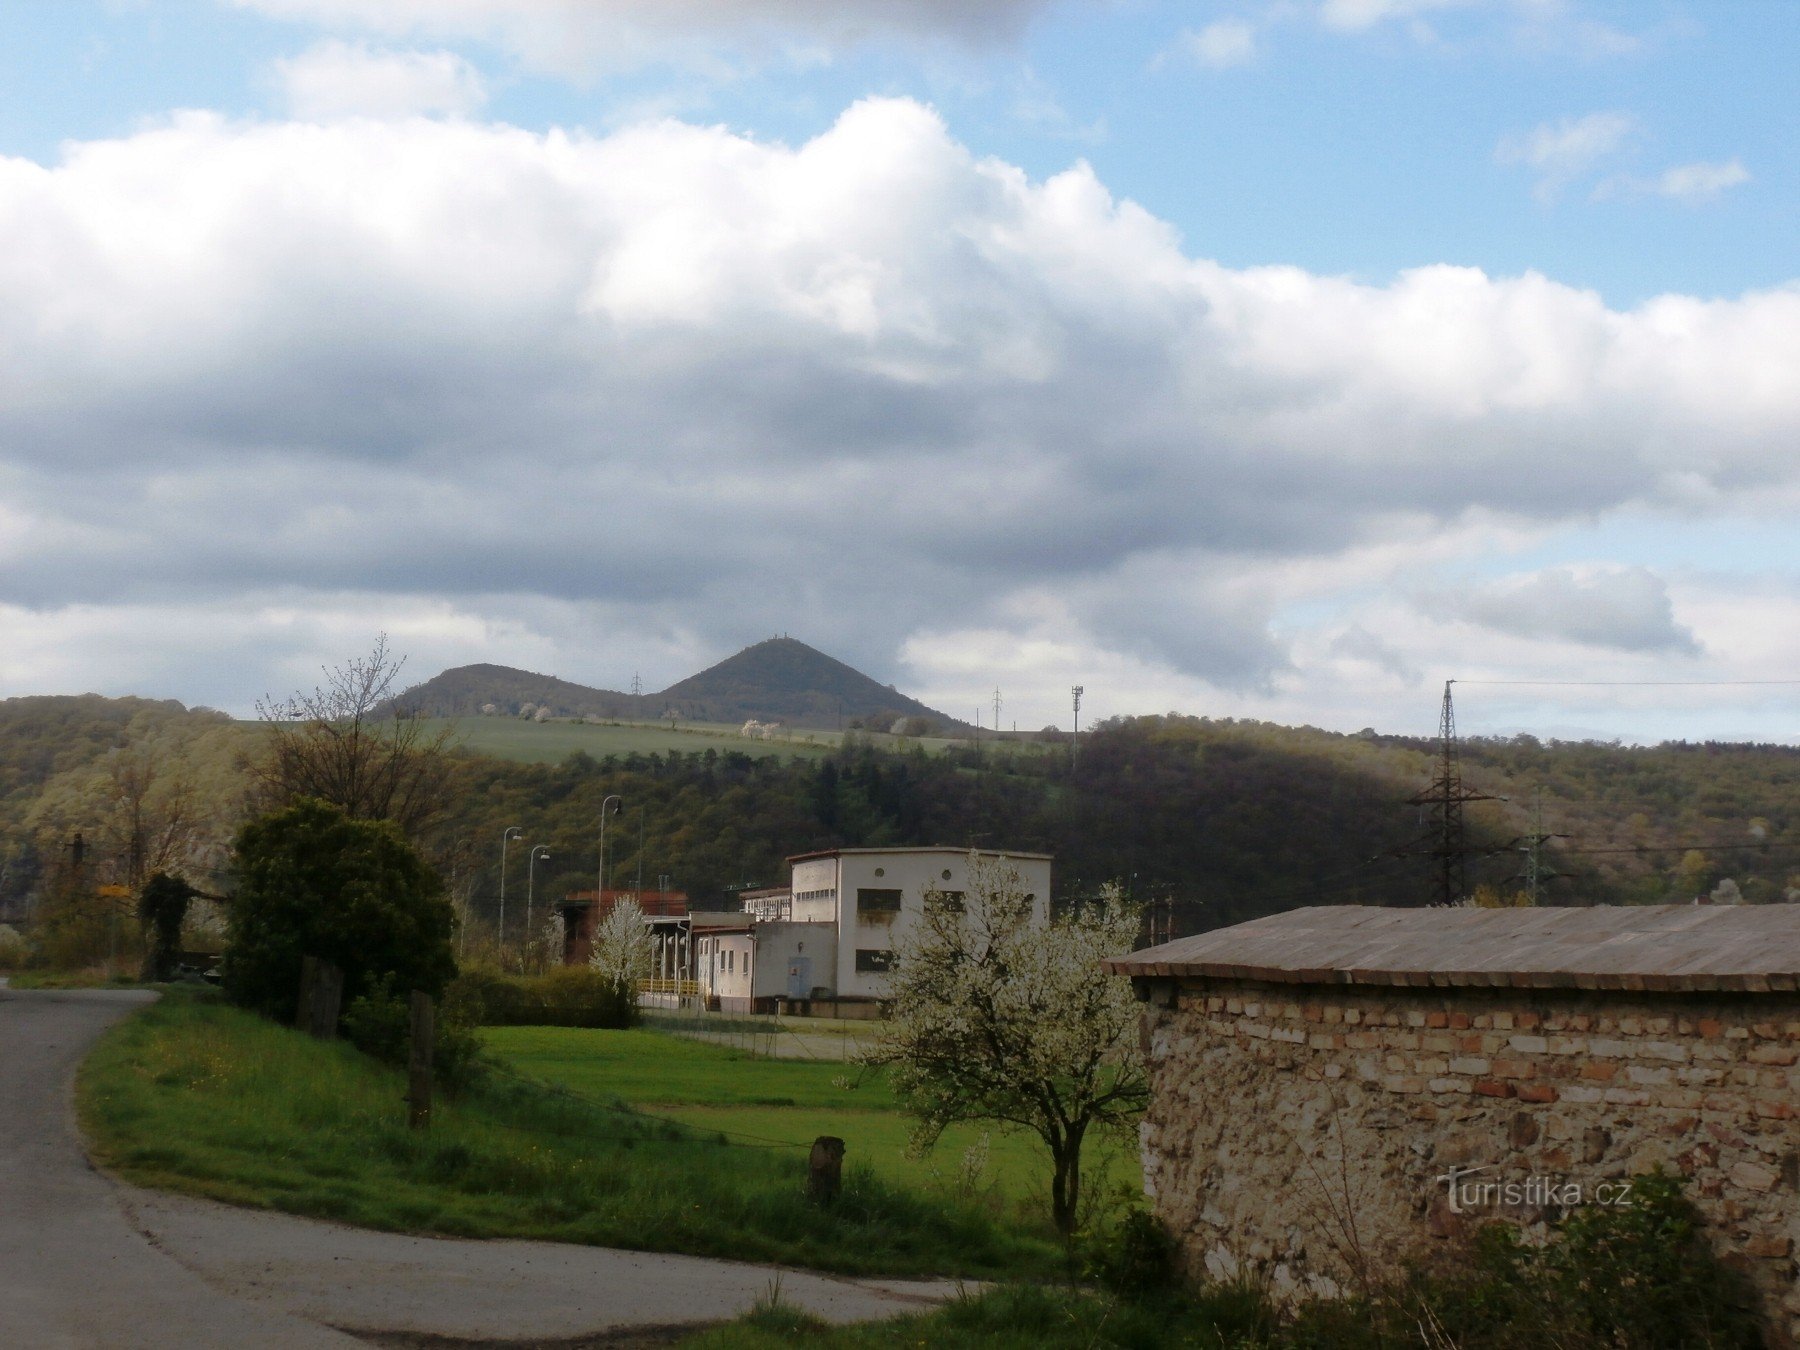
71, 979
194, 1096
792, 1101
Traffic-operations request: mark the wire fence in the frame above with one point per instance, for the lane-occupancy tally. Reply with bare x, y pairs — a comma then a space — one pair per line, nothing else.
770, 1037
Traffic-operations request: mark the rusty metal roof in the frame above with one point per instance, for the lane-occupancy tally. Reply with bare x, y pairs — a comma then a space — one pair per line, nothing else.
1649, 947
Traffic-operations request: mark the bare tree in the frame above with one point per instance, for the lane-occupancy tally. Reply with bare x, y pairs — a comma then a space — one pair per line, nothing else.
351, 743
997, 1016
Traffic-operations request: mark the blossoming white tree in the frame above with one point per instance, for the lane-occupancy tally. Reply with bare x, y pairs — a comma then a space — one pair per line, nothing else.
995, 1016
622, 949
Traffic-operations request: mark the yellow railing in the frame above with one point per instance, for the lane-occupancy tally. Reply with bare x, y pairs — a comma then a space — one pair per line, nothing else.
682, 988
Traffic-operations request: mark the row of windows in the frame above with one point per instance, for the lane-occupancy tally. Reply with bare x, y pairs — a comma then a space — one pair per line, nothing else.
829, 893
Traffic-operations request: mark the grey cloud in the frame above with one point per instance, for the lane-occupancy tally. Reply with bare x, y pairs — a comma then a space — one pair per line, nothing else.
1622, 608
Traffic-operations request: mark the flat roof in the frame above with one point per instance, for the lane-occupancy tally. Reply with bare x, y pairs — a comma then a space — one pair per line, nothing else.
1753, 948
923, 848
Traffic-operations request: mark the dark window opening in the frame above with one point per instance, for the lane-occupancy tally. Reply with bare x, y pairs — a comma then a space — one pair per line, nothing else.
874, 962
874, 901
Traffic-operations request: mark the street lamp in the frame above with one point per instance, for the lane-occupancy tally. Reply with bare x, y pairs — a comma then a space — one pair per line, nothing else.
600, 893
511, 833
537, 851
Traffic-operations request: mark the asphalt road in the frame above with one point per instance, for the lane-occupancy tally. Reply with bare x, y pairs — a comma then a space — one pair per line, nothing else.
86, 1262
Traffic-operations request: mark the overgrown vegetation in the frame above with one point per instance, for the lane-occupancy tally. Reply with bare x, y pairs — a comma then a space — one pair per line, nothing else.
567, 996
197, 1096
1639, 1278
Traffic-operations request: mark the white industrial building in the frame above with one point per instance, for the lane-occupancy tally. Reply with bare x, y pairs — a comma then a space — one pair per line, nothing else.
841, 919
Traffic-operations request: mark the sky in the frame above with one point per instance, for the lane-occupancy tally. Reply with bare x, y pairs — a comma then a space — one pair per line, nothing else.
1276, 359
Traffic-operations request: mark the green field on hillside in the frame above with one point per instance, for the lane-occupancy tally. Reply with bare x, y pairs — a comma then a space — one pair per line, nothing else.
552, 742
776, 1102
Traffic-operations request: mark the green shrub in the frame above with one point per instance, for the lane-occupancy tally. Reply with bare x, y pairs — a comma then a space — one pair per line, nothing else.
569, 996
379, 1023
1133, 1255
312, 881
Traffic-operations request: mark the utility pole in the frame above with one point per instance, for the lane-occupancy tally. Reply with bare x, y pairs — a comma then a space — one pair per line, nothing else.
637, 687
1532, 845
1075, 737
996, 712
510, 833
1447, 843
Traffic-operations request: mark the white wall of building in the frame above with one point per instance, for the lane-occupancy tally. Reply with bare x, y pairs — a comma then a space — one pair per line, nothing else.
877, 895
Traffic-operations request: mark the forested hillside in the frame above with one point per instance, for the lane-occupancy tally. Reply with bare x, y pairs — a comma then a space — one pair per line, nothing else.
1225, 820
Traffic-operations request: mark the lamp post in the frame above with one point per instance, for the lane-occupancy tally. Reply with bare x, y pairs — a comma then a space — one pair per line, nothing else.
537, 851
511, 833
600, 892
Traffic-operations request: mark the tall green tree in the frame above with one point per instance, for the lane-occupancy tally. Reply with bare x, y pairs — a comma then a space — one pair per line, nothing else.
313, 881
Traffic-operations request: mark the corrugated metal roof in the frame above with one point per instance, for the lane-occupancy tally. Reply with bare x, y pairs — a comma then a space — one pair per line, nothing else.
1650, 947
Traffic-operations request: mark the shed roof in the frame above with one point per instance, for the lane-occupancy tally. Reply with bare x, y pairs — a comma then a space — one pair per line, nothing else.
1648, 947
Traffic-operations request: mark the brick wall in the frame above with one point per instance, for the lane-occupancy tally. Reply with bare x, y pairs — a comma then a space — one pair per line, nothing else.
1302, 1130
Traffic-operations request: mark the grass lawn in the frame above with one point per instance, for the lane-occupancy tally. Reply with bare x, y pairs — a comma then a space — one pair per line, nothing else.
794, 1101
195, 1096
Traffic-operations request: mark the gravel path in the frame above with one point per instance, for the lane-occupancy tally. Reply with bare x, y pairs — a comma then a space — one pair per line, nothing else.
88, 1262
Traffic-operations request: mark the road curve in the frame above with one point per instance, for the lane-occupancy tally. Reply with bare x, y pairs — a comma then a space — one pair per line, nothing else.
86, 1262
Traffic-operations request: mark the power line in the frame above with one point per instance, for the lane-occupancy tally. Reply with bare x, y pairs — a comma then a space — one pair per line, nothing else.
1638, 684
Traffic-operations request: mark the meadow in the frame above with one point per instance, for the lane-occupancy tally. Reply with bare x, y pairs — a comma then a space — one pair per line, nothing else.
791, 1102
192, 1095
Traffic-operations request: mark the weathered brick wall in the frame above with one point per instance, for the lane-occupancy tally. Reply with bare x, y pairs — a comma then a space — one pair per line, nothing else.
1298, 1130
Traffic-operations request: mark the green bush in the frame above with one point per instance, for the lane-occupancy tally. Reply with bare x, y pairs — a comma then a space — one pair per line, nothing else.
312, 881
379, 1023
569, 996
1133, 1255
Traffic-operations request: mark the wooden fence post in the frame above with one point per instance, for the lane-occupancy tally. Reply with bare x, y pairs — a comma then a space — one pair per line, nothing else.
309, 985
825, 1169
328, 999
418, 1077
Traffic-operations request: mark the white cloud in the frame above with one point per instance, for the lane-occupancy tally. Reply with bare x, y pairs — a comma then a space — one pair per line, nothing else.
341, 79
1700, 182
582, 36
1356, 15
1562, 151
1228, 42
564, 399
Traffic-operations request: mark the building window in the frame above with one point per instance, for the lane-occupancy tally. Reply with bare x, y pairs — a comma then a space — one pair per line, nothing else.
877, 901
874, 962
